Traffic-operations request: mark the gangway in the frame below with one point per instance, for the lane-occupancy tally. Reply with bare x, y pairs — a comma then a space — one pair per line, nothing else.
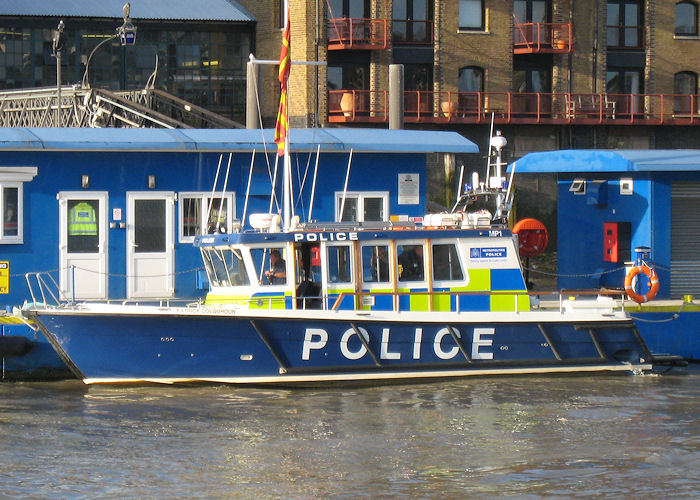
100, 108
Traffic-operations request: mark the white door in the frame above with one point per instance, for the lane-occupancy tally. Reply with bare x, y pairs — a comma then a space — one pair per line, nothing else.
150, 262
83, 244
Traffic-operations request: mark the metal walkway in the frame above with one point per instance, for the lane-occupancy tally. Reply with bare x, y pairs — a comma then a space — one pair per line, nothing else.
99, 108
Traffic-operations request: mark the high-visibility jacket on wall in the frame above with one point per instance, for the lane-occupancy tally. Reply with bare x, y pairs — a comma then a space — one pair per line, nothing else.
82, 220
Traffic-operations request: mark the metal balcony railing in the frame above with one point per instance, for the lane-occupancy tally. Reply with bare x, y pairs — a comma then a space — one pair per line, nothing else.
371, 106
358, 34
81, 107
542, 38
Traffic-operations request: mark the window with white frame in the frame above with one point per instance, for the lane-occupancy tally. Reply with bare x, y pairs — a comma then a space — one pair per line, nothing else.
362, 206
12, 180
202, 213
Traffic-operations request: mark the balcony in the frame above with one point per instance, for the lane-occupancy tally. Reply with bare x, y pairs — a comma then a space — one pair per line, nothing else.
371, 106
542, 38
358, 34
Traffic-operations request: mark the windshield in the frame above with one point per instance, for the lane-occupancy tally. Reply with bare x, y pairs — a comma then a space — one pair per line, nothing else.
225, 267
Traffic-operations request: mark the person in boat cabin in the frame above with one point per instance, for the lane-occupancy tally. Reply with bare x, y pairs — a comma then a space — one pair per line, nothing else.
380, 264
411, 262
277, 274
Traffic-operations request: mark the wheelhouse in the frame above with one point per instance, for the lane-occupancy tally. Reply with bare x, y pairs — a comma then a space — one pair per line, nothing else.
387, 268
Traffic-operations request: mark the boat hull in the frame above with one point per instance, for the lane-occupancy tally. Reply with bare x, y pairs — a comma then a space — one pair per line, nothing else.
168, 345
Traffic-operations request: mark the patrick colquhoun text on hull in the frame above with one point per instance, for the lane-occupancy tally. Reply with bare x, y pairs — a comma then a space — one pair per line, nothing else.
311, 302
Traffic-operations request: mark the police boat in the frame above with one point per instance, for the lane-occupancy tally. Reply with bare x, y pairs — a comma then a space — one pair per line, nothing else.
307, 303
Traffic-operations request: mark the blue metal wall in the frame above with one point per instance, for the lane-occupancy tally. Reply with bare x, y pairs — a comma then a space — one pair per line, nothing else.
580, 220
120, 171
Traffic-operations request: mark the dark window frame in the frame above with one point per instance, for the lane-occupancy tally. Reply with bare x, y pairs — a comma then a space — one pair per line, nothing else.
680, 15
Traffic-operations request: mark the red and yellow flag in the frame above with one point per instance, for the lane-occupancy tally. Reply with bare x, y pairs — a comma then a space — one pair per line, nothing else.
282, 126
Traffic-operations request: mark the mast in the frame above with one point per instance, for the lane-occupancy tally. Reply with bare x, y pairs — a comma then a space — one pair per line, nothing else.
282, 125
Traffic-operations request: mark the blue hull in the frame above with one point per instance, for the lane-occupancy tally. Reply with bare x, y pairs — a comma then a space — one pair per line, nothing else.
174, 348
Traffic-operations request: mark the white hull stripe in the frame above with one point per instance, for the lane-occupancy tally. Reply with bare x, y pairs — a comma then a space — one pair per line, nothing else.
349, 377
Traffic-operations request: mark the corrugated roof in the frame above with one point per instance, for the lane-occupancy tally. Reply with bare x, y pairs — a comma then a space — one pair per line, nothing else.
202, 10
302, 140
610, 160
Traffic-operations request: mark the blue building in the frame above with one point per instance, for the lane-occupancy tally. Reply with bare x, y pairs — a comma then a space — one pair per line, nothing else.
111, 213
610, 202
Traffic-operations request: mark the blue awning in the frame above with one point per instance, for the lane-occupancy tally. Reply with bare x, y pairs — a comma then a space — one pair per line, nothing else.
182, 10
609, 160
232, 140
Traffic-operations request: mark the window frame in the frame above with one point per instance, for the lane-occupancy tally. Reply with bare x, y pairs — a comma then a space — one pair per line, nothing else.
203, 198
694, 6
14, 178
480, 27
360, 196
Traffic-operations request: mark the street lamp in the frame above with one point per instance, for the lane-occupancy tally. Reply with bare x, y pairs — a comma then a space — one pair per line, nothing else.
127, 36
59, 40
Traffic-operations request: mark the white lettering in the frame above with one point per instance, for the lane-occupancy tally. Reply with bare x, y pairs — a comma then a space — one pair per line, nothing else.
477, 342
298, 236
385, 354
341, 236
344, 343
312, 237
437, 344
418, 337
353, 236
309, 343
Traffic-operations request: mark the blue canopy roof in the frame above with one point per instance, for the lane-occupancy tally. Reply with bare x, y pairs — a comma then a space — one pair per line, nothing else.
209, 10
226, 140
609, 160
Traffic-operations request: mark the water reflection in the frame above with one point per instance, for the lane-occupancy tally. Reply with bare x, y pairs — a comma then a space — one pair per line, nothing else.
511, 436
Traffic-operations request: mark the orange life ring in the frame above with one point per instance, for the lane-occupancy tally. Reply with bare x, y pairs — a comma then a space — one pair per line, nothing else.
653, 284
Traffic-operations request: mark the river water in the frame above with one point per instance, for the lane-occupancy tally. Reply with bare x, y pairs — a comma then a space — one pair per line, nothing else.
607, 436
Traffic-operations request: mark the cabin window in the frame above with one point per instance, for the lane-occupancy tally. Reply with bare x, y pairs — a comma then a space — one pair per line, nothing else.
200, 213
225, 267
12, 180
446, 264
375, 264
339, 269
410, 262
270, 265
370, 206
10, 196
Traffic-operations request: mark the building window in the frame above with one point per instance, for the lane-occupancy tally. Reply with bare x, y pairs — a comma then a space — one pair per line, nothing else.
685, 88
12, 180
471, 15
624, 24
412, 22
686, 19
362, 206
471, 79
193, 210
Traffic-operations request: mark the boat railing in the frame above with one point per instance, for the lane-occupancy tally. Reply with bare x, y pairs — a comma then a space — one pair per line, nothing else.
558, 299
43, 289
45, 292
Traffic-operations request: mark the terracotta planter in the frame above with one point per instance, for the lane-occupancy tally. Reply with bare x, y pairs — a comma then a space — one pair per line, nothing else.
347, 104
448, 108
560, 44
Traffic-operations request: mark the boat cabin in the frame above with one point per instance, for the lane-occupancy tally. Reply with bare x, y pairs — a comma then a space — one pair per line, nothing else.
383, 268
